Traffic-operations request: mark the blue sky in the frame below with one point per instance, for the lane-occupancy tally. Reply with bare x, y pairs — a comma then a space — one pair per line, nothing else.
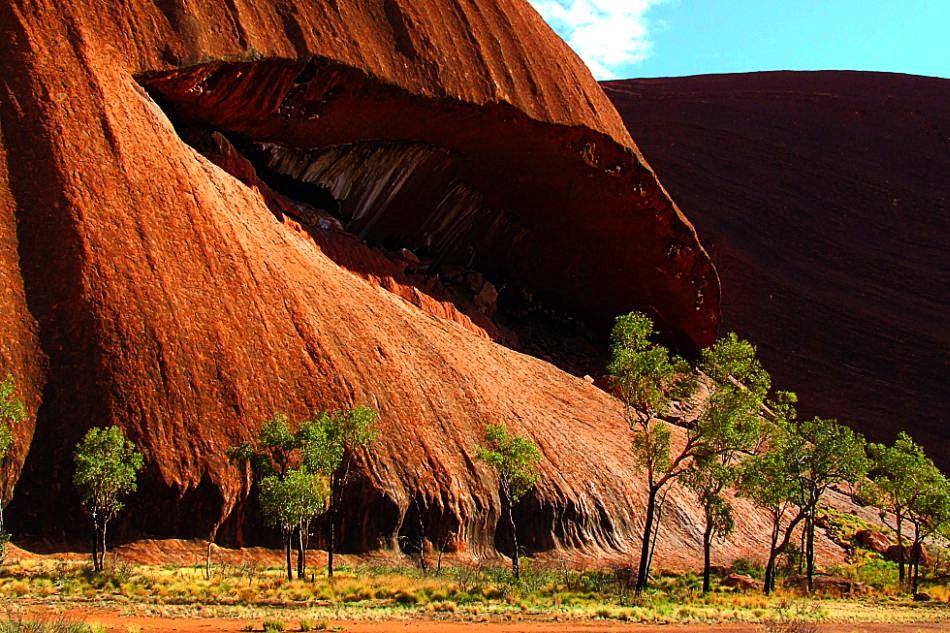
658, 38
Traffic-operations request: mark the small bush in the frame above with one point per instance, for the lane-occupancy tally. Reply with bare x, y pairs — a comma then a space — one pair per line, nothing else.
748, 567
19, 624
274, 626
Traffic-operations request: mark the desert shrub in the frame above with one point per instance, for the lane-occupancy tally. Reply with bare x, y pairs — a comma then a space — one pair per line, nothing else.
749, 567
871, 570
21, 624
794, 619
274, 626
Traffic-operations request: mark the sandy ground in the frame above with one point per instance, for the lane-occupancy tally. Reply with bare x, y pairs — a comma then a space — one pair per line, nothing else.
117, 622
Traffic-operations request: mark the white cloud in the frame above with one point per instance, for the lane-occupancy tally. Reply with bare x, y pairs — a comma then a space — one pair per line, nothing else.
607, 34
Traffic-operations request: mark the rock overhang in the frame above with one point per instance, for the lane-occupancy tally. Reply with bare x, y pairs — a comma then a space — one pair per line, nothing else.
565, 213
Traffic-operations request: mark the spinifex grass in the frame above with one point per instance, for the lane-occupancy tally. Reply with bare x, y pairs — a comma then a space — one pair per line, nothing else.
469, 593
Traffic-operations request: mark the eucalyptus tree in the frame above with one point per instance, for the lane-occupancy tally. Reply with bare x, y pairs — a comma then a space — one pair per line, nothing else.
289, 503
896, 482
515, 459
929, 513
648, 378
328, 444
12, 413
273, 455
770, 480
107, 465
906, 485
831, 454
731, 423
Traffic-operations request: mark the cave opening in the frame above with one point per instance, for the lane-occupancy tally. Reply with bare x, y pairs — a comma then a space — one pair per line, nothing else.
540, 233
407, 202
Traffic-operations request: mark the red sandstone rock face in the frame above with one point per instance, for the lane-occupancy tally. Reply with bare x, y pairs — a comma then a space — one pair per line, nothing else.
179, 295
825, 201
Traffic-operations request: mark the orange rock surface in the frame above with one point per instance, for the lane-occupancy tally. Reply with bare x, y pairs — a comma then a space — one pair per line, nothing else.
152, 289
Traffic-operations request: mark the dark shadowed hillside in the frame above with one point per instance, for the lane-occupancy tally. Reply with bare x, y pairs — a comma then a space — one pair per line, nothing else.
824, 199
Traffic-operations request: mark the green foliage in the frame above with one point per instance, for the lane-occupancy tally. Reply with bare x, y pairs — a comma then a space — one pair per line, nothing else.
802, 461
830, 454
12, 413
747, 567
106, 468
729, 424
643, 372
708, 478
273, 450
930, 510
733, 360
325, 440
298, 497
900, 474
769, 479
513, 457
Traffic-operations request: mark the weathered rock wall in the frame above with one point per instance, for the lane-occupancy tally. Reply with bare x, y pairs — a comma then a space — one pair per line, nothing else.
168, 297
825, 200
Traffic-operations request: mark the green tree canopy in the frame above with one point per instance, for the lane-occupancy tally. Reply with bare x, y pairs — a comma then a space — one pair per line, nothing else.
273, 451
515, 459
106, 468
644, 373
326, 439
729, 428
328, 443
907, 486
12, 413
290, 502
648, 378
802, 462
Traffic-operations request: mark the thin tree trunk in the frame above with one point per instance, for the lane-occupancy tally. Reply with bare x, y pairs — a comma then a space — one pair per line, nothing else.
515, 558
900, 553
802, 548
657, 521
643, 569
299, 532
304, 545
915, 554
102, 548
769, 580
3, 546
422, 538
707, 545
810, 558
334, 504
331, 535
288, 537
95, 545
770, 565
783, 545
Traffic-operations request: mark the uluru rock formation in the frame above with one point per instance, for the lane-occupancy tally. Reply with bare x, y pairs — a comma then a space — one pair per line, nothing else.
824, 198
214, 211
